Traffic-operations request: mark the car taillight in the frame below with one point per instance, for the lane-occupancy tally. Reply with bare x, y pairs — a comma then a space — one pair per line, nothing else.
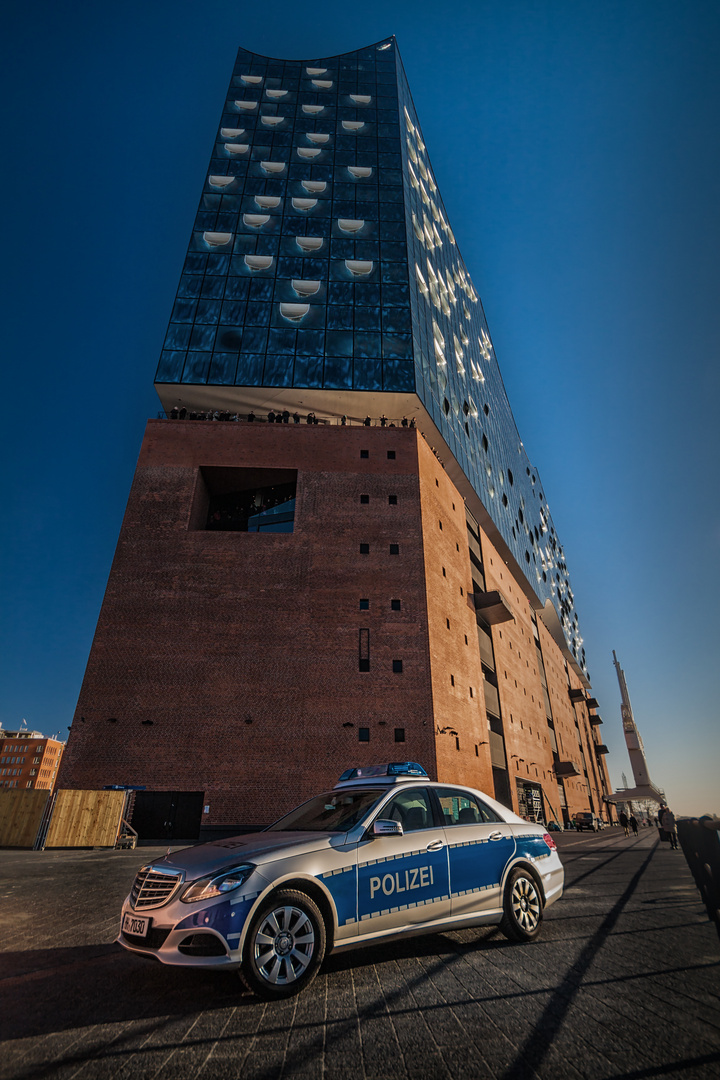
549, 841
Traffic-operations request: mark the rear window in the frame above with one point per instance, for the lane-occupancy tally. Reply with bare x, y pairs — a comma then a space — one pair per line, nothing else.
336, 811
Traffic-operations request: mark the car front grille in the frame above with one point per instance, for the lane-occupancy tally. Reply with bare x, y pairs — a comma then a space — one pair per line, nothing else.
153, 888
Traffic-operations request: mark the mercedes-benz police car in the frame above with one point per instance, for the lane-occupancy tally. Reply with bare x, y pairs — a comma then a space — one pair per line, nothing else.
386, 854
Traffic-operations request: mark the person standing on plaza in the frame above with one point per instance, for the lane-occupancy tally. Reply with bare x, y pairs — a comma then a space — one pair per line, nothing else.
623, 819
634, 824
667, 821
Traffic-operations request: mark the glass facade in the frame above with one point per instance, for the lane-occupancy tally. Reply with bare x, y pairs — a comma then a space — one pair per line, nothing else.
322, 258
297, 273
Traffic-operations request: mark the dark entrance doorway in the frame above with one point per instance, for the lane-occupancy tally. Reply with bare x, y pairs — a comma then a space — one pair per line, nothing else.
168, 815
530, 801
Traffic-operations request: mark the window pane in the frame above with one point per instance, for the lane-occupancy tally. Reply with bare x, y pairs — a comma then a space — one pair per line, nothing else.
412, 809
462, 808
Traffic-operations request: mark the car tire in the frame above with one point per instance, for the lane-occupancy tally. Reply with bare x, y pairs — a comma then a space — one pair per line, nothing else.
523, 907
284, 946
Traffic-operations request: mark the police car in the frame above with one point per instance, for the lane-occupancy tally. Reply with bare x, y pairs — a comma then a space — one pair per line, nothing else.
386, 854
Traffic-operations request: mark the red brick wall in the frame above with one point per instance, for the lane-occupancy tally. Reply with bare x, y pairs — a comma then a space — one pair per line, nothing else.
527, 741
456, 672
242, 648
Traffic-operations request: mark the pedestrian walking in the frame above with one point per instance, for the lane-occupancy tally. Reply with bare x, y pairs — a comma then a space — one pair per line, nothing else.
667, 820
623, 819
634, 824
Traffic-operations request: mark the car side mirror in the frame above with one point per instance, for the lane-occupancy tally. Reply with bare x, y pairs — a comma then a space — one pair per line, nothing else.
385, 827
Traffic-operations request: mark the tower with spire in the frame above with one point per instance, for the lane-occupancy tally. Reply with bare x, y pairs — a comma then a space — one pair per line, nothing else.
644, 788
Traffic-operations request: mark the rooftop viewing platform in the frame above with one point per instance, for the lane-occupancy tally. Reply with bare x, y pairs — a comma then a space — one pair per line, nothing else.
284, 416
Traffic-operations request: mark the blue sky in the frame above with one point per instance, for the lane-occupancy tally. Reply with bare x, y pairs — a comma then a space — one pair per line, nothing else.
576, 146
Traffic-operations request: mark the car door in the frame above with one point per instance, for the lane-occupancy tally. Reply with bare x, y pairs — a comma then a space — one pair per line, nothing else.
480, 846
403, 880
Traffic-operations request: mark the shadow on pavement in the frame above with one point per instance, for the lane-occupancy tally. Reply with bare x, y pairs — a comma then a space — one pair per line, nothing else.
537, 1045
52, 990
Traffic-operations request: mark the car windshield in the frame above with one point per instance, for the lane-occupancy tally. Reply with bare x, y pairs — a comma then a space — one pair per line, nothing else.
336, 811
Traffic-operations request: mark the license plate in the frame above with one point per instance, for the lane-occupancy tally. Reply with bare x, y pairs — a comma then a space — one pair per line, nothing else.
133, 924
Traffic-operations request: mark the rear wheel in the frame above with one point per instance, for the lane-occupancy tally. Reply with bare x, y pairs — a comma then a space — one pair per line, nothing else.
523, 907
285, 945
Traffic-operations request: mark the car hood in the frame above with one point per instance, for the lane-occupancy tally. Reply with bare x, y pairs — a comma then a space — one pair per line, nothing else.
204, 859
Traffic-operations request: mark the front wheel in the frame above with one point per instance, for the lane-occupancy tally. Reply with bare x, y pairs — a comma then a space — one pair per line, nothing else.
523, 907
285, 946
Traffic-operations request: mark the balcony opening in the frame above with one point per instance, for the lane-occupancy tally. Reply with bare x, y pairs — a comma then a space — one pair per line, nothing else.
245, 500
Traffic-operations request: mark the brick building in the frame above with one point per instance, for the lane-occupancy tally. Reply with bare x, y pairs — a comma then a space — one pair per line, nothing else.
289, 598
29, 760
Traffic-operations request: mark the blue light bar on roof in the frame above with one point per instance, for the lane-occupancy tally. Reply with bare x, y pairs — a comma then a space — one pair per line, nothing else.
392, 768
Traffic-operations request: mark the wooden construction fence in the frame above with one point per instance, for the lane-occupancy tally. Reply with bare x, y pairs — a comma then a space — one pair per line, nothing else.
78, 818
20, 815
85, 819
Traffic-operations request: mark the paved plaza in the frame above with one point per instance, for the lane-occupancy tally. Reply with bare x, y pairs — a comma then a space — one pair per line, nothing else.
623, 983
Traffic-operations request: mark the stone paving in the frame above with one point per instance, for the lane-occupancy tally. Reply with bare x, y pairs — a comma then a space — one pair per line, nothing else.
624, 983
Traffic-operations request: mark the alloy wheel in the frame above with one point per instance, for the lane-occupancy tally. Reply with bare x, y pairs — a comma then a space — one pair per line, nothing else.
525, 904
284, 945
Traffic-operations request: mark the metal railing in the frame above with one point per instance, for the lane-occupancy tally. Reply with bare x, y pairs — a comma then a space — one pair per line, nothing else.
700, 841
224, 415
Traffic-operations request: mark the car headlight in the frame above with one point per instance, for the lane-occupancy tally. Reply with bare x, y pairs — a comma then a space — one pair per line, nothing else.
208, 887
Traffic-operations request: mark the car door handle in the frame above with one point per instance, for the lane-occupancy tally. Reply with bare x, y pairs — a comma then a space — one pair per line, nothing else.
495, 836
435, 846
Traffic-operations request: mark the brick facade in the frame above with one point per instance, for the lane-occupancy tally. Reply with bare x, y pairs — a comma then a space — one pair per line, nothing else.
228, 662
29, 760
